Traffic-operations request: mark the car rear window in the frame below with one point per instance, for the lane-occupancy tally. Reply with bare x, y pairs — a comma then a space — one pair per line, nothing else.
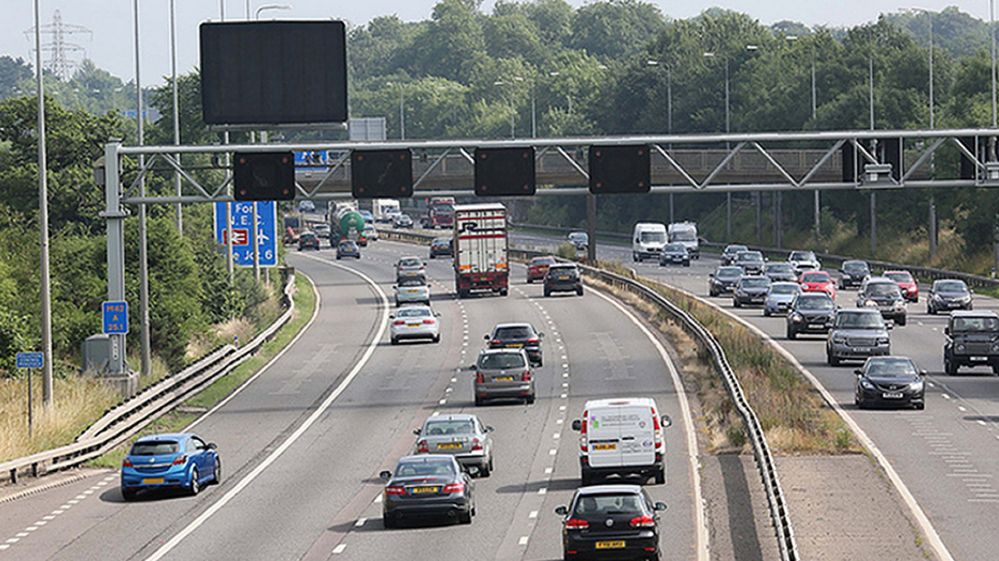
732, 249
543, 261
780, 268
882, 289
749, 256
802, 256
158, 448
729, 272
412, 281
514, 333
411, 262
899, 277
675, 247
784, 288
975, 324
501, 361
411, 469
412, 313
815, 277
448, 427
608, 504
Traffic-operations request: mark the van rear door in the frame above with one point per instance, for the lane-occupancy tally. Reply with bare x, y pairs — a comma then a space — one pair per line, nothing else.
603, 438
637, 434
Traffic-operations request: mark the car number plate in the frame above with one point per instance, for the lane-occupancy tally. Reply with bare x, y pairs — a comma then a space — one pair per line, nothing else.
152, 480
423, 490
892, 395
979, 358
612, 544
816, 326
448, 445
605, 446
515, 346
413, 324
503, 378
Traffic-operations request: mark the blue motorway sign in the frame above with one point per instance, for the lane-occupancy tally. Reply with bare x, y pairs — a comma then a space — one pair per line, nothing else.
30, 360
115, 316
242, 231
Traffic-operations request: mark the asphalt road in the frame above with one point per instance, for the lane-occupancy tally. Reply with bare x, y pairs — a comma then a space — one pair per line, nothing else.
947, 455
302, 445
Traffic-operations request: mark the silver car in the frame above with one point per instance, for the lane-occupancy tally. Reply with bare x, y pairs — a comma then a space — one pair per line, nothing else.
780, 297
804, 261
460, 435
409, 265
410, 289
415, 322
857, 335
503, 374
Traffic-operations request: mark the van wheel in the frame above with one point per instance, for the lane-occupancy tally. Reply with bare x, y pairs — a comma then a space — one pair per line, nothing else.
661, 476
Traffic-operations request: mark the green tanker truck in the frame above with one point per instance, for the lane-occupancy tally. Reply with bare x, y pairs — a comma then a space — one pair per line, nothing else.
346, 223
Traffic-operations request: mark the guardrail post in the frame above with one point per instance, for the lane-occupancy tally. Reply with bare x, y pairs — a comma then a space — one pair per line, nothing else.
13, 475
34, 469
591, 227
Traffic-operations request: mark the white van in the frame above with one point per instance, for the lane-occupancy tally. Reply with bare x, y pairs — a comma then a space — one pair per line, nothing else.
622, 436
648, 240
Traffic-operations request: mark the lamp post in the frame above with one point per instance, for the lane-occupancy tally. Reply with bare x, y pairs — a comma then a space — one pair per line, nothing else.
932, 208
43, 220
146, 352
669, 114
402, 108
176, 110
265, 7
513, 112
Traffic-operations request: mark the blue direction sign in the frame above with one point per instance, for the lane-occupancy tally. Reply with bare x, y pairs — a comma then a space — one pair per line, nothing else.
115, 318
242, 231
30, 360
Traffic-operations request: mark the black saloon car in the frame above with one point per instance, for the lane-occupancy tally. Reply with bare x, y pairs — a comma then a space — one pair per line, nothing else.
611, 522
563, 277
308, 240
723, 280
441, 247
889, 381
853, 273
948, 294
674, 253
428, 485
811, 312
750, 290
518, 336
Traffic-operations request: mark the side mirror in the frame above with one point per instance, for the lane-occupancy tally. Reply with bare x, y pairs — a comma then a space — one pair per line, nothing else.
659, 507
922, 373
385, 475
212, 446
417, 431
437, 314
711, 275
561, 510
541, 334
577, 425
666, 421
889, 325
470, 368
485, 337
471, 470
391, 316
947, 330
489, 428
395, 287
858, 371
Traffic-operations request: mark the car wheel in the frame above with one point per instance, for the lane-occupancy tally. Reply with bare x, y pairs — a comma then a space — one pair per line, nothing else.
791, 334
949, 367
465, 517
529, 400
585, 479
437, 338
661, 476
479, 401
766, 313
217, 475
634, 257
579, 291
195, 487
503, 292
920, 406
394, 341
388, 522
491, 468
547, 293
901, 321
930, 310
530, 280
337, 257
712, 293
128, 494
484, 470
831, 360
736, 304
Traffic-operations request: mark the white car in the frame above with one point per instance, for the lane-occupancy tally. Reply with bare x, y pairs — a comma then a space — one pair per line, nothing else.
371, 233
415, 322
412, 289
804, 261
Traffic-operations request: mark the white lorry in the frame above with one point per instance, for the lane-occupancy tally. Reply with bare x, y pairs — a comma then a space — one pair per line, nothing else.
480, 249
685, 234
622, 436
647, 240
384, 210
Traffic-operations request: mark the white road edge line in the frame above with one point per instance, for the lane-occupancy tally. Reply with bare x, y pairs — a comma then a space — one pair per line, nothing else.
250, 380
319, 412
700, 517
932, 537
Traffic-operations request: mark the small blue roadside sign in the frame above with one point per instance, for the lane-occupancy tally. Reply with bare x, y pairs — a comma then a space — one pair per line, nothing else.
115, 318
30, 360
242, 232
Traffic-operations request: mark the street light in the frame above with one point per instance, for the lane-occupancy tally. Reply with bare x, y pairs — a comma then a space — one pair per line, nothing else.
43, 221
176, 110
270, 7
669, 93
402, 109
513, 112
145, 350
932, 205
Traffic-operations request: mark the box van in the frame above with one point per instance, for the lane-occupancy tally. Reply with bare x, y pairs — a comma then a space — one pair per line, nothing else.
648, 240
622, 436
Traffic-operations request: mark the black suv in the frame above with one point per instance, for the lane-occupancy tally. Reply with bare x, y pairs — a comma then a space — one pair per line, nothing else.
611, 522
853, 273
731, 250
884, 295
563, 277
811, 312
948, 294
518, 336
972, 340
723, 280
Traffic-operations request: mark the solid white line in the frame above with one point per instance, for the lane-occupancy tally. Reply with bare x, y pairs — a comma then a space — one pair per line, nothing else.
251, 379
319, 412
700, 517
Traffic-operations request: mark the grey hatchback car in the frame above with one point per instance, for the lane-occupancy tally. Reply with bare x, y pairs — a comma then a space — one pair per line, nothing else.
503, 374
460, 435
857, 335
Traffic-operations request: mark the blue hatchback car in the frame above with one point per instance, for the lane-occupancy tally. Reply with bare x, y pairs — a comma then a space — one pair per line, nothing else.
170, 461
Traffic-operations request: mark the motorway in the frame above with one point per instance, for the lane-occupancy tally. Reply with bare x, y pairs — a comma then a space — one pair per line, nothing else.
947, 455
302, 444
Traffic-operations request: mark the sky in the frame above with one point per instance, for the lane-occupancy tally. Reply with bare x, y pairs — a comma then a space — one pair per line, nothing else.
110, 41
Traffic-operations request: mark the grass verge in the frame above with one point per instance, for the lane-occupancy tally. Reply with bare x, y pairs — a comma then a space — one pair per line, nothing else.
793, 414
305, 305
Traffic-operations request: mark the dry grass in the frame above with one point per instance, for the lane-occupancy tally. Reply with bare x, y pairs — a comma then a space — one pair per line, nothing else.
79, 400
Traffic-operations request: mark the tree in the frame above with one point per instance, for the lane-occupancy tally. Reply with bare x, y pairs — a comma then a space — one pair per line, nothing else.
13, 71
616, 29
453, 38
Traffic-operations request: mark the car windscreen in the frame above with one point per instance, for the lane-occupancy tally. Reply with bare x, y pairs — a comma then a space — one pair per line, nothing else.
749, 257
578, 237
448, 427
856, 267
514, 333
950, 286
802, 256
975, 324
675, 248
859, 321
734, 249
780, 268
882, 289
412, 281
899, 277
413, 469
588, 506
557, 270
729, 273
754, 283
891, 367
815, 277
784, 289
441, 241
410, 262
412, 313
810, 303
157, 448
501, 361
652, 237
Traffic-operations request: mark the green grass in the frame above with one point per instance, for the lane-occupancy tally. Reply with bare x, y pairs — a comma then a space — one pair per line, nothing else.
305, 305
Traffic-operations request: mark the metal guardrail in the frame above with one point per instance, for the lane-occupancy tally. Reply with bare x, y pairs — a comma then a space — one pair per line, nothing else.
129, 417
776, 502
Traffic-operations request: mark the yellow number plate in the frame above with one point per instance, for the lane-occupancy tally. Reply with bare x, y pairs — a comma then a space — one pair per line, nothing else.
423, 490
504, 378
615, 544
412, 324
605, 446
515, 345
152, 480
448, 445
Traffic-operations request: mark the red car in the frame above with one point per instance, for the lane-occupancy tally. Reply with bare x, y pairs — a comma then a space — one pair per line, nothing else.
818, 281
904, 280
538, 267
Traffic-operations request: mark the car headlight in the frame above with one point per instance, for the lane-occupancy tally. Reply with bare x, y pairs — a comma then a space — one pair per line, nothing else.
916, 386
866, 385
899, 305
961, 347
839, 339
797, 318
883, 340
966, 298
937, 297
870, 304
995, 347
